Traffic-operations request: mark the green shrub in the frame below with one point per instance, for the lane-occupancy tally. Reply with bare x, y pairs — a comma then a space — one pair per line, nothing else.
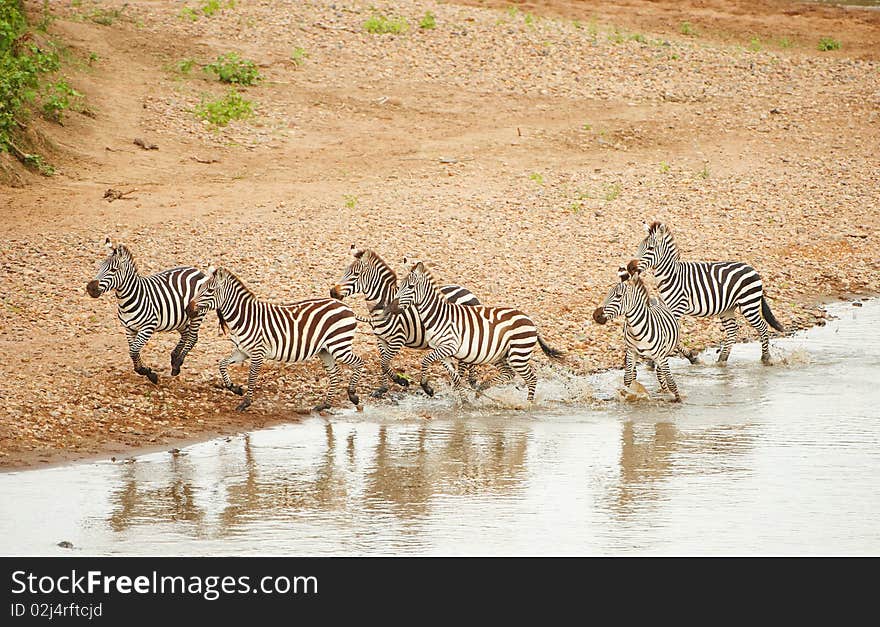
222, 111
381, 25
687, 29
231, 68
22, 63
828, 43
105, 17
57, 98
428, 22
299, 56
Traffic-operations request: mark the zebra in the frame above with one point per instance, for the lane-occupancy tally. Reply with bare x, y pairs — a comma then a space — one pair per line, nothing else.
472, 334
370, 275
148, 304
708, 289
650, 329
283, 332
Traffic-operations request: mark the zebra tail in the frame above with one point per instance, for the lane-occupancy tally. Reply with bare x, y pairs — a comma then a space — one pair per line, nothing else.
552, 353
769, 317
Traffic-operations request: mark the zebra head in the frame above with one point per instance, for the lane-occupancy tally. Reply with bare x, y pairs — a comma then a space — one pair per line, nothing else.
658, 247
620, 297
367, 274
210, 294
115, 269
414, 289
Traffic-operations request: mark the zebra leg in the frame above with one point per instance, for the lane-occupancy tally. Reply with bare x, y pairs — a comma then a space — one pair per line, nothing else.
253, 381
455, 373
754, 318
729, 324
471, 371
136, 343
357, 364
387, 352
661, 379
505, 373
663, 366
188, 339
629, 368
175, 354
472, 376
436, 354
333, 372
687, 353
235, 358
527, 372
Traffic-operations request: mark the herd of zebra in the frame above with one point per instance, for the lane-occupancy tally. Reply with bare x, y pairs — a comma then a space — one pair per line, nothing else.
448, 321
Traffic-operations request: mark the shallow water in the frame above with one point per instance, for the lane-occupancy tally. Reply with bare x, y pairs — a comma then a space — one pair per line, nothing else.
757, 460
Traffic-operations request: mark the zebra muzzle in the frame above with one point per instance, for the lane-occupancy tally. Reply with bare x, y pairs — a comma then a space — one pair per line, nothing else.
599, 315
93, 289
335, 292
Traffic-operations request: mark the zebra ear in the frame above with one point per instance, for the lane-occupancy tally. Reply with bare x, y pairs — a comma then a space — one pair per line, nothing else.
108, 244
647, 228
622, 274
356, 252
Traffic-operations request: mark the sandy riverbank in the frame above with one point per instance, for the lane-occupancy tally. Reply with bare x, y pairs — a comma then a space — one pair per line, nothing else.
518, 152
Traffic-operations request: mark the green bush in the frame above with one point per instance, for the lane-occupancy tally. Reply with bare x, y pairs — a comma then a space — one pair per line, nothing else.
428, 21
222, 111
828, 43
22, 62
381, 25
57, 98
231, 68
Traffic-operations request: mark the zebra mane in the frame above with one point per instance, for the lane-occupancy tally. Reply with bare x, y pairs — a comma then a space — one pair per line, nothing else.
374, 255
122, 251
230, 275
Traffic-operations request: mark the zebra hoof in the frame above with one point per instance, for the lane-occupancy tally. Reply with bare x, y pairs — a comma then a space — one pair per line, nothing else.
428, 389
236, 389
765, 359
175, 370
243, 405
379, 392
152, 376
354, 399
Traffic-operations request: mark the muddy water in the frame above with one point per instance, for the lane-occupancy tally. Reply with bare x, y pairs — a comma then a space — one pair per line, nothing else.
757, 460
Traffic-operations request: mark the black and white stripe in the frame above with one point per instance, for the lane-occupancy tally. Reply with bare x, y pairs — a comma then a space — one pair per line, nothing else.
472, 334
150, 304
260, 330
708, 289
370, 275
650, 330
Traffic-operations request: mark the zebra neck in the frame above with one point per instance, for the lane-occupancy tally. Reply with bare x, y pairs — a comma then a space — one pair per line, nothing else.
131, 285
671, 285
637, 315
238, 307
386, 292
434, 306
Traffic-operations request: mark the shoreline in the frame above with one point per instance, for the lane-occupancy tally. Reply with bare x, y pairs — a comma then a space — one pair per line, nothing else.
111, 453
